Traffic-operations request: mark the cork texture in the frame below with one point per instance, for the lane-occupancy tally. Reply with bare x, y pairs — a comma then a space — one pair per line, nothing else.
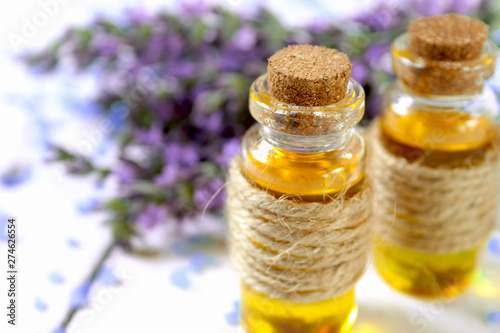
450, 37
307, 75
451, 46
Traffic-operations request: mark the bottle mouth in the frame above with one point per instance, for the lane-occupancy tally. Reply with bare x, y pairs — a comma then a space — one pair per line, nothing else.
304, 120
441, 77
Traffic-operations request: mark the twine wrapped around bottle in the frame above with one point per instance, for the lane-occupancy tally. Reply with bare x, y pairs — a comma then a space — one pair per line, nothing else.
289, 249
443, 209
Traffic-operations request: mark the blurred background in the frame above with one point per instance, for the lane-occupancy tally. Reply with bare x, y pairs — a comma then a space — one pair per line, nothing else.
118, 120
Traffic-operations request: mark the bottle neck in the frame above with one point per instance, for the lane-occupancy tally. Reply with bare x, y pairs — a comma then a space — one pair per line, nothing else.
306, 144
475, 103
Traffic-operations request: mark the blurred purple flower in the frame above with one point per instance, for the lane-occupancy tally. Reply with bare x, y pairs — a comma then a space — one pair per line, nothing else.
230, 60
245, 39
153, 136
56, 277
233, 317
209, 194
494, 245
375, 52
385, 16
184, 155
182, 69
125, 172
431, 7
174, 44
179, 278
152, 215
87, 205
106, 276
193, 9
493, 317
373, 107
73, 243
200, 261
465, 6
229, 149
163, 108
106, 45
212, 122
170, 174
16, 176
360, 72
79, 296
40, 305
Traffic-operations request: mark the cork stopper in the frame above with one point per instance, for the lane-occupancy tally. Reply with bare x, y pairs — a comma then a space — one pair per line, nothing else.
307, 75
450, 37
446, 55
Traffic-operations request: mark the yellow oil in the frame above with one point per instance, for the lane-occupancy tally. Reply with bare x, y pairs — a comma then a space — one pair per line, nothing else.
313, 176
263, 315
446, 138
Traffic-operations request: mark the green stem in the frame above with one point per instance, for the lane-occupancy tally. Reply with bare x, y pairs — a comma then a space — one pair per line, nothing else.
93, 275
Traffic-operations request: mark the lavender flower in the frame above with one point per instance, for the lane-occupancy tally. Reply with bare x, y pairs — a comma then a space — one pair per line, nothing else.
465, 6
431, 7
152, 215
229, 150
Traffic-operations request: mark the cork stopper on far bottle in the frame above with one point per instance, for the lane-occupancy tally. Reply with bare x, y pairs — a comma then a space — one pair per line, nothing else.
307, 75
449, 55
450, 37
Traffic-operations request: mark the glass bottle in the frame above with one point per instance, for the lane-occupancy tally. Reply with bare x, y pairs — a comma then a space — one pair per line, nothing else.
438, 127
329, 160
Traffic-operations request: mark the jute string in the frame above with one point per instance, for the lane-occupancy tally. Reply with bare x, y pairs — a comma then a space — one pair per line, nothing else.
442, 209
289, 249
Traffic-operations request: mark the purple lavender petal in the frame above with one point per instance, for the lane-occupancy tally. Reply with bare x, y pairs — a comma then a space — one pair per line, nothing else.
171, 173
431, 7
199, 261
494, 245
493, 317
182, 155
79, 296
229, 150
87, 205
153, 136
73, 243
245, 39
16, 176
152, 215
375, 52
233, 317
40, 305
183, 69
179, 278
385, 16
360, 72
106, 46
210, 195
125, 172
139, 16
106, 276
465, 6
56, 277
193, 9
